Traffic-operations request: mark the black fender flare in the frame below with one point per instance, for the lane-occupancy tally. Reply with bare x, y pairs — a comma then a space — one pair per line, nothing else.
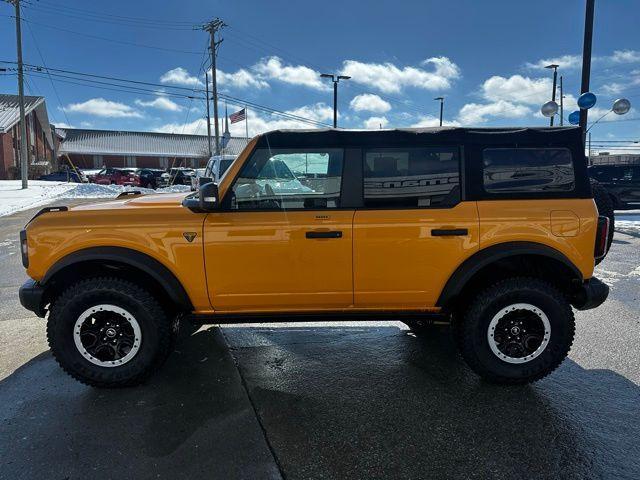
472, 265
141, 261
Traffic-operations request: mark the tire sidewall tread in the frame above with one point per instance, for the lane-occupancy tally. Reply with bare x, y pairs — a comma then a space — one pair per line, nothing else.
471, 330
157, 331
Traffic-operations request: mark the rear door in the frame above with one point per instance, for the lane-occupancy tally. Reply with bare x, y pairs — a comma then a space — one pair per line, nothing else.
283, 240
414, 230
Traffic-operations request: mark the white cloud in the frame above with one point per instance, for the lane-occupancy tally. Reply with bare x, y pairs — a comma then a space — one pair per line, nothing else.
626, 56
565, 62
161, 103
368, 102
425, 121
375, 123
614, 88
240, 79
320, 112
63, 125
474, 113
257, 122
274, 68
195, 127
389, 78
519, 89
103, 108
180, 76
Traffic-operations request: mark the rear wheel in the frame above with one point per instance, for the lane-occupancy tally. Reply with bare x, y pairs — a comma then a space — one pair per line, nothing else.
108, 332
516, 331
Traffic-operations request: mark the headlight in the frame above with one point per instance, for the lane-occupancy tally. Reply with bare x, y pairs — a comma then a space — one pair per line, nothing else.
24, 248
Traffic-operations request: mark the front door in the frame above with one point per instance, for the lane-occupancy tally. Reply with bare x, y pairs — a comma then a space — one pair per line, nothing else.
282, 241
414, 230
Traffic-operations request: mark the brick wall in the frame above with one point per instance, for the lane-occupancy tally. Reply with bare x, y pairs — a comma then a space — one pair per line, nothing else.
6, 154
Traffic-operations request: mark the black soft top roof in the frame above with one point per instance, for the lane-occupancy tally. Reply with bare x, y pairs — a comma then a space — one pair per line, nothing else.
525, 136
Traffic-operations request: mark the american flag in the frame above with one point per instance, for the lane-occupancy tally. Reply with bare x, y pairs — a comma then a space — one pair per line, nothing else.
238, 116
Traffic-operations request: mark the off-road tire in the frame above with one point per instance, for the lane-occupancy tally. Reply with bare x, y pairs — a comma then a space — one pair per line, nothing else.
471, 330
158, 331
605, 207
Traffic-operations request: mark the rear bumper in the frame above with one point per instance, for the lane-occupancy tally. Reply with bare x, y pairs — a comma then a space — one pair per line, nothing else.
32, 297
591, 294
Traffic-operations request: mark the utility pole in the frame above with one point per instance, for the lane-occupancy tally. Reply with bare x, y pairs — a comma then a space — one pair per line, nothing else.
441, 107
586, 59
553, 89
24, 160
206, 78
589, 159
561, 103
213, 27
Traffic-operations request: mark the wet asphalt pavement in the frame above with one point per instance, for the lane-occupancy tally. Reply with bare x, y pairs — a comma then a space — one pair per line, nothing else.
333, 400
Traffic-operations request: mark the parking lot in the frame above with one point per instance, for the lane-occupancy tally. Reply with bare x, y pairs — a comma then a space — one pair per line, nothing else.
330, 400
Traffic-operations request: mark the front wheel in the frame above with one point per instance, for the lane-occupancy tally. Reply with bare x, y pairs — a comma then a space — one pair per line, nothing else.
108, 332
516, 331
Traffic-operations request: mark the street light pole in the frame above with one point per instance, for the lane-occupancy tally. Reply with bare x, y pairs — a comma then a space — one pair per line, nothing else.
335, 104
441, 107
553, 89
586, 58
561, 103
335, 79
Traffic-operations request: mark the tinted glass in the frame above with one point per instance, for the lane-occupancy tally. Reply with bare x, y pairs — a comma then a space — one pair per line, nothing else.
602, 174
528, 170
224, 166
411, 177
267, 180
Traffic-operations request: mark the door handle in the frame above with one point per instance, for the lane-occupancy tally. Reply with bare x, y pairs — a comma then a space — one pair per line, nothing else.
449, 232
324, 234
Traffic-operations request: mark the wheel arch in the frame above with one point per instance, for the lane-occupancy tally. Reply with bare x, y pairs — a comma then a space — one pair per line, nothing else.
116, 260
497, 261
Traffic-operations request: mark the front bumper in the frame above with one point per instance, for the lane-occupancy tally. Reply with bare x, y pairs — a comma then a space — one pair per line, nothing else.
591, 294
32, 297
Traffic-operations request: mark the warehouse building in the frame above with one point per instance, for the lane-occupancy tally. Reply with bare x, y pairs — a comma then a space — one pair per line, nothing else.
89, 149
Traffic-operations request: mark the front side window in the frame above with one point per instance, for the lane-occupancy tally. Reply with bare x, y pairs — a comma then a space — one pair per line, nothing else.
289, 179
411, 177
528, 170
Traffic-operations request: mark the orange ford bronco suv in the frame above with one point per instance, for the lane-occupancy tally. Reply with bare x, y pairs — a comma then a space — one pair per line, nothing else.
493, 230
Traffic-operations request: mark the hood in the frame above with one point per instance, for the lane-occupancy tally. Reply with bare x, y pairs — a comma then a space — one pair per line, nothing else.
159, 200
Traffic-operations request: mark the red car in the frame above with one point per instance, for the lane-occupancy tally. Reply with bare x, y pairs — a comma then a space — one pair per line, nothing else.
117, 176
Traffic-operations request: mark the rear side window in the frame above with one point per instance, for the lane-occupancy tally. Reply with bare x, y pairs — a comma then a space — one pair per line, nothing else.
602, 174
528, 170
411, 177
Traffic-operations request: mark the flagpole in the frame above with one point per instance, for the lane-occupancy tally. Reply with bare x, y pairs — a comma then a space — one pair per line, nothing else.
246, 122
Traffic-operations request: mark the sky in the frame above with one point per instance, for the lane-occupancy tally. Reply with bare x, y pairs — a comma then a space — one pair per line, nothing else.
485, 57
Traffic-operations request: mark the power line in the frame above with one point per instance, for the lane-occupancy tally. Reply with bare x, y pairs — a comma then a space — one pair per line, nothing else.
87, 18
55, 90
71, 77
57, 5
106, 39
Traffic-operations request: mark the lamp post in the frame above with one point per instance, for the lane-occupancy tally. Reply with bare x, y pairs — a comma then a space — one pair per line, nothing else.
441, 107
335, 79
553, 89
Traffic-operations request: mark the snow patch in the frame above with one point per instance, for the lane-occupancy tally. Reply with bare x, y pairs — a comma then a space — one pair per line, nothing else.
13, 199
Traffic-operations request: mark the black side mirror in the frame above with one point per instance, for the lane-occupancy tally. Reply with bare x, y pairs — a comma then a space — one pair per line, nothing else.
209, 197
